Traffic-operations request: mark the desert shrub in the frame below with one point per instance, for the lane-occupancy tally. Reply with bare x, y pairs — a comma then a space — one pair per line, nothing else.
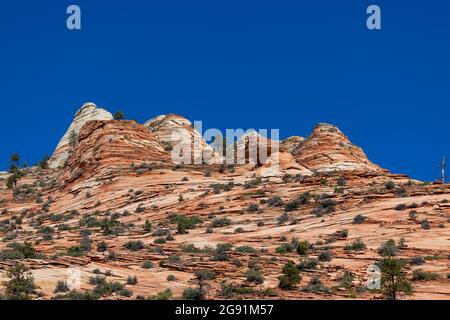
307, 264
412, 215
287, 247
86, 244
19, 251
303, 248
160, 233
246, 249
315, 285
164, 295
302, 199
20, 284
400, 207
77, 295
61, 286
347, 279
260, 223
193, 294
253, 207
275, 202
111, 226
290, 277
425, 224
102, 246
252, 183
417, 261
255, 276
147, 226
205, 275
220, 222
325, 256
132, 280
236, 262
283, 218
359, 219
159, 241
220, 254
390, 185
147, 264
341, 233
387, 249
171, 277
356, 245
421, 275
97, 280
184, 223
341, 182
134, 245
325, 206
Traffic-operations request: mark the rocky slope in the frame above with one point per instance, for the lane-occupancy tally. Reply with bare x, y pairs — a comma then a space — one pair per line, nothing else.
328, 149
87, 112
120, 208
174, 131
110, 147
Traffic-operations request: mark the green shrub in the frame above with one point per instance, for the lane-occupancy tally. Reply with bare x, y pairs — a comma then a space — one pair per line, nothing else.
315, 285
290, 277
134, 245
390, 185
387, 249
325, 256
421, 275
246, 249
255, 276
356, 245
359, 219
303, 248
132, 280
307, 264
193, 294
21, 282
221, 222
165, 295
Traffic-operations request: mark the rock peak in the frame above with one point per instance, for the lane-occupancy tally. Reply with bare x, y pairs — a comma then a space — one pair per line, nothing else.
328, 149
88, 112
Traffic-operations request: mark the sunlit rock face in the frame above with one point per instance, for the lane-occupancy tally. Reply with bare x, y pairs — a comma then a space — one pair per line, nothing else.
109, 147
88, 112
177, 135
328, 149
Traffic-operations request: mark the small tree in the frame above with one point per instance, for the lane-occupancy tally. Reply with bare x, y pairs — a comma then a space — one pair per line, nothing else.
119, 115
15, 158
303, 248
43, 164
21, 284
73, 138
290, 277
393, 278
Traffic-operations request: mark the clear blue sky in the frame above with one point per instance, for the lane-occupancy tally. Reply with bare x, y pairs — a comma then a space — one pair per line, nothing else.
234, 64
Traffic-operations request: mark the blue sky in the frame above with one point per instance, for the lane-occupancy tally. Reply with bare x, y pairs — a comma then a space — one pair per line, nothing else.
234, 64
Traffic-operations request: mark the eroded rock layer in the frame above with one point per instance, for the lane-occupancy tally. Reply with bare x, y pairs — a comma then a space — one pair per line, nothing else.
88, 112
328, 149
110, 146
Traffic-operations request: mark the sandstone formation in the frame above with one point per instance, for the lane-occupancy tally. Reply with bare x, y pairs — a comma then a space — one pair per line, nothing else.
121, 209
328, 149
177, 134
87, 112
291, 143
111, 145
